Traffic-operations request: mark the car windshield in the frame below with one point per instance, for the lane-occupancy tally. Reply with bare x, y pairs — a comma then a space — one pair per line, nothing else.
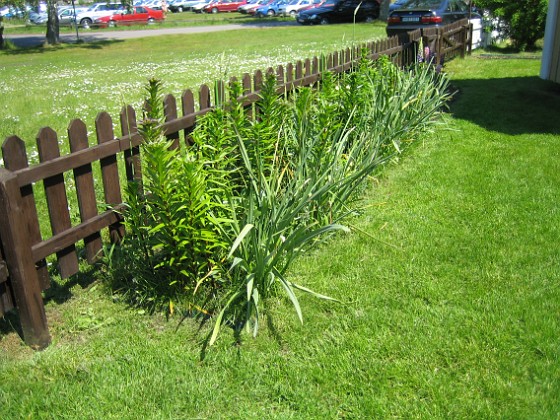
416, 4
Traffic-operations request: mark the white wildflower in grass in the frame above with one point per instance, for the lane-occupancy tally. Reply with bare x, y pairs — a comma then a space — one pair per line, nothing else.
53, 94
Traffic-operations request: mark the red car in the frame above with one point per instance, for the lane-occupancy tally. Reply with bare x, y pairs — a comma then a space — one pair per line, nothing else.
223, 6
137, 14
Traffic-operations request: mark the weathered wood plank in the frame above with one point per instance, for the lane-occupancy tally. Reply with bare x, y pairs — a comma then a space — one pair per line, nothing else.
83, 176
57, 201
23, 275
76, 233
15, 158
132, 162
170, 112
109, 173
204, 98
187, 101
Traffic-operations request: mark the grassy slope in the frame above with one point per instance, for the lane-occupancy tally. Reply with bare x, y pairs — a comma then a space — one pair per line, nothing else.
457, 317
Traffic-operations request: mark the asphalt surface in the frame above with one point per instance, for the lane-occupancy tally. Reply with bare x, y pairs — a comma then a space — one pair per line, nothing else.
28, 41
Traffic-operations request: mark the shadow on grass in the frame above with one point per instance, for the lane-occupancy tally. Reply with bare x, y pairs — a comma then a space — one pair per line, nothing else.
518, 105
10, 323
59, 292
34, 45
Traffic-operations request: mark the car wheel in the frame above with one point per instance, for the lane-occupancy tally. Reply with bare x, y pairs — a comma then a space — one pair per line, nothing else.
214, 10
151, 21
111, 24
293, 13
270, 13
324, 21
370, 19
85, 23
180, 9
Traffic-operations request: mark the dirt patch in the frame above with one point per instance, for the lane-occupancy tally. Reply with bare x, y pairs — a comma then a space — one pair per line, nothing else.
12, 347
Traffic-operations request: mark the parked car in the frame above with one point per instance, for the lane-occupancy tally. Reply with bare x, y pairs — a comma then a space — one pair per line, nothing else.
251, 5
12, 12
223, 6
153, 4
66, 16
292, 7
96, 10
197, 8
318, 3
416, 14
178, 6
343, 11
269, 9
37, 18
136, 15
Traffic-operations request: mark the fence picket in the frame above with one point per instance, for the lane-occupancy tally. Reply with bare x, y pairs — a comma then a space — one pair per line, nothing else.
187, 101
132, 161
204, 97
289, 76
24, 277
299, 73
57, 201
280, 80
109, 173
15, 157
170, 112
83, 176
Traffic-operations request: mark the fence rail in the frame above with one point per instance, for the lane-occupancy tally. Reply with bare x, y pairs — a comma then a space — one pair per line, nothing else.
23, 251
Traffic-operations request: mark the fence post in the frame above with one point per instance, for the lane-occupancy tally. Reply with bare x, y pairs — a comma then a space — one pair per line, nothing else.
21, 267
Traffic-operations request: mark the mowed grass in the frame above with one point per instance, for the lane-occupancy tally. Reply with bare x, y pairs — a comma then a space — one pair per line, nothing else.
22, 26
449, 284
52, 86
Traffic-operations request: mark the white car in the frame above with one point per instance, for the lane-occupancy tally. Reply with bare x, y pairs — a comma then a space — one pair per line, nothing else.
199, 6
96, 10
291, 8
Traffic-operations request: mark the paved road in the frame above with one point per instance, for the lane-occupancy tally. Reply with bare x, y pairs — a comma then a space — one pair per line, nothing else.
26, 41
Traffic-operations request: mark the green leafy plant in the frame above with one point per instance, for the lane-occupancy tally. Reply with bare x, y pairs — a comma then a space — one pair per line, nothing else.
524, 20
299, 184
172, 242
217, 226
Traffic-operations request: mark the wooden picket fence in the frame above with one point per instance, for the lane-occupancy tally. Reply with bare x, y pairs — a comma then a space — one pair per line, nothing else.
23, 250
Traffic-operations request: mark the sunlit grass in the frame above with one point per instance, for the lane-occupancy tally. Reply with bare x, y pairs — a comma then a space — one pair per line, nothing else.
450, 299
50, 87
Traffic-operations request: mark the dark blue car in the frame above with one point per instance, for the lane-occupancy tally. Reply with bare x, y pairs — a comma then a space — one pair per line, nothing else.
340, 11
414, 14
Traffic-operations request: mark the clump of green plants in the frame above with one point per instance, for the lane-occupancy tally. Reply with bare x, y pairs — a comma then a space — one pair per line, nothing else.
173, 239
215, 226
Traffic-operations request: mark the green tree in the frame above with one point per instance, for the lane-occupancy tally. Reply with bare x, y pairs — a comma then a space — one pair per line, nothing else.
524, 19
53, 29
53, 24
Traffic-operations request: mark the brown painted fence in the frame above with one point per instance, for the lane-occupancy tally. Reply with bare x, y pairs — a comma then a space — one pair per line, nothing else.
23, 251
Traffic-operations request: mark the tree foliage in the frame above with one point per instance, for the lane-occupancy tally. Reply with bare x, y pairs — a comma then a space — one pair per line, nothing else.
524, 19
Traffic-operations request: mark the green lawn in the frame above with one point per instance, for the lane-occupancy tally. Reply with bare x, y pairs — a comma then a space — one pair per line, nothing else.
450, 296
51, 86
21, 26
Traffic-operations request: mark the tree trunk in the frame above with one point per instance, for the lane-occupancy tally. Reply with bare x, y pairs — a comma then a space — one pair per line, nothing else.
384, 10
1, 32
53, 26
